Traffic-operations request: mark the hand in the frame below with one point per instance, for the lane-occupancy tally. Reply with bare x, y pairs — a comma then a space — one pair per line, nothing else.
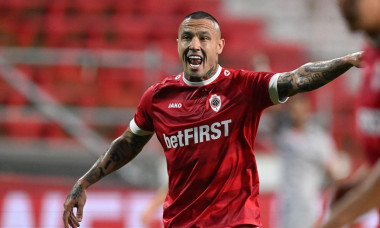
356, 59
76, 198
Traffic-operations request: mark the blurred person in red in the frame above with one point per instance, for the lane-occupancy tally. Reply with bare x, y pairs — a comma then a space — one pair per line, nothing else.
206, 119
362, 193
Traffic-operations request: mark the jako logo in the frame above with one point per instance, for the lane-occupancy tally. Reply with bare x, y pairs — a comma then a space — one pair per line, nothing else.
175, 105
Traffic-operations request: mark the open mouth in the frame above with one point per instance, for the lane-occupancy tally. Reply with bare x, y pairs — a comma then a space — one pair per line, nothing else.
194, 61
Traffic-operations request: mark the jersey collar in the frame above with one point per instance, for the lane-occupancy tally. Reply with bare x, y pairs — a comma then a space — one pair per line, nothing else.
205, 82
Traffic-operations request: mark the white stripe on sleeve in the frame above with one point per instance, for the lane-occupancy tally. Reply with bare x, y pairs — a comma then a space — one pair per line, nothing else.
137, 130
273, 91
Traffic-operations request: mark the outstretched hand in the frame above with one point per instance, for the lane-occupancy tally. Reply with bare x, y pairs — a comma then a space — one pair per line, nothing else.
76, 198
356, 59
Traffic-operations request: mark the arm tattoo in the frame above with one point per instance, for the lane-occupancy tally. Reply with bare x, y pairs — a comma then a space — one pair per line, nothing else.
329, 69
285, 84
115, 157
75, 192
95, 173
311, 76
107, 164
121, 151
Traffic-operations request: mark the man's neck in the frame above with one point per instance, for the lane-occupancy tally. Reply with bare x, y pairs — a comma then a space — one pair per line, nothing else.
198, 82
209, 74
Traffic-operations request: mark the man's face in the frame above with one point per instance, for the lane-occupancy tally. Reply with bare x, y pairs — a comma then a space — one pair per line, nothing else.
199, 45
362, 15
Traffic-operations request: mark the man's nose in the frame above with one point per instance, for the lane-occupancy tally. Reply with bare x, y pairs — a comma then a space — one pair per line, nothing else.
195, 44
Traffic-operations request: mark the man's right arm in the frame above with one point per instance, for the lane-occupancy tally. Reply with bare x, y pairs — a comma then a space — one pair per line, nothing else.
122, 150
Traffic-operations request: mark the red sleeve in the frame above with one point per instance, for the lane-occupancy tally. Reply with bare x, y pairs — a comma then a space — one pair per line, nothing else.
256, 85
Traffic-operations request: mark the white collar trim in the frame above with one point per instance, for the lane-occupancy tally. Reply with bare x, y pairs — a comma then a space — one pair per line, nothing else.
205, 82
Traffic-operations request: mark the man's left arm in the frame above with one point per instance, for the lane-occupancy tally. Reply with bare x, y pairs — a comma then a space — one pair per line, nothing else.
313, 75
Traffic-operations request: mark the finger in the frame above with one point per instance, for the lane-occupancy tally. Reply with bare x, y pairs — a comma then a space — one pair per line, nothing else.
65, 218
73, 221
80, 212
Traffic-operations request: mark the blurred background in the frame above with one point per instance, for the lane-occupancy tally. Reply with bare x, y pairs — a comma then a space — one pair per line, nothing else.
72, 73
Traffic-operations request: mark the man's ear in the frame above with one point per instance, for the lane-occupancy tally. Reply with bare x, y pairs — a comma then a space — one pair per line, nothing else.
221, 44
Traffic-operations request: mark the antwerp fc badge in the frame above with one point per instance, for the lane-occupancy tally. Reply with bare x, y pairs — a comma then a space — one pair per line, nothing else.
215, 102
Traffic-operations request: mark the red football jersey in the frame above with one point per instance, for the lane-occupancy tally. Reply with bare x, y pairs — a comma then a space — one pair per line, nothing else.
368, 111
207, 130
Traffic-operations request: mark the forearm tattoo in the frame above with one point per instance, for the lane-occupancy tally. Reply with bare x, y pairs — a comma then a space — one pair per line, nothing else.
121, 151
75, 192
311, 76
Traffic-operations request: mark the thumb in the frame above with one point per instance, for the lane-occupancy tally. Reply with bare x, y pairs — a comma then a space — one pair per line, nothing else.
358, 61
80, 213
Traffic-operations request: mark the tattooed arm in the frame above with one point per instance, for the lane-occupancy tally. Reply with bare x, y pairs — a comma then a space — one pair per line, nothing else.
121, 151
314, 75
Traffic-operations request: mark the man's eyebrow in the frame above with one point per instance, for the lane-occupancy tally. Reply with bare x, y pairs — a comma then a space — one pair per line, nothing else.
205, 32
186, 33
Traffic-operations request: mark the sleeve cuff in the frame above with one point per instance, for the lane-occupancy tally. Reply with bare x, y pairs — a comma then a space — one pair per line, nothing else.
273, 90
137, 130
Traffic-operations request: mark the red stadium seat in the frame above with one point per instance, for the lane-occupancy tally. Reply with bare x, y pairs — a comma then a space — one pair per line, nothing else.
98, 27
87, 97
28, 34
133, 31
28, 70
158, 8
211, 6
91, 7
58, 7
163, 28
285, 56
15, 98
122, 7
23, 129
21, 124
4, 92
53, 130
9, 23
168, 48
25, 4
120, 87
65, 31
45, 75
69, 74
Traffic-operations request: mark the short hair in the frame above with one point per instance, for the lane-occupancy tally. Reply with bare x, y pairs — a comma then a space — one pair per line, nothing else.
202, 15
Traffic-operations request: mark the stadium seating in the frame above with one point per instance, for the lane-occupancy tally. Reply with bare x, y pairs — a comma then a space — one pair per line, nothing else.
120, 25
20, 123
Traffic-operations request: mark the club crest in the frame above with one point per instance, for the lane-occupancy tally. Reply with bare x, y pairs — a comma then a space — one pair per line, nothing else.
215, 102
